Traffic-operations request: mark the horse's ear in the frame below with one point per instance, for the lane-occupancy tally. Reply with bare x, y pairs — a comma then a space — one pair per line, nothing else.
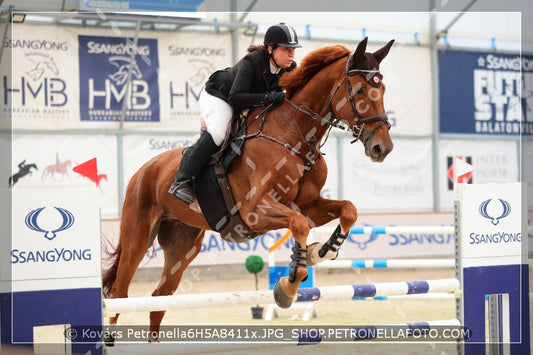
359, 53
382, 52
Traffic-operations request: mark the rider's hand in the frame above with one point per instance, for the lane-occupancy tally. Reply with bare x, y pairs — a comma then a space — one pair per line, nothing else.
275, 97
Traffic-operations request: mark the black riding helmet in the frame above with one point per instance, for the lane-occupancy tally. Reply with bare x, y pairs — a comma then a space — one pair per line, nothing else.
281, 35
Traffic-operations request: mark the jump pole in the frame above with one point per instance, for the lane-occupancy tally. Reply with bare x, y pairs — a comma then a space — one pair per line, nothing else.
386, 263
367, 230
346, 292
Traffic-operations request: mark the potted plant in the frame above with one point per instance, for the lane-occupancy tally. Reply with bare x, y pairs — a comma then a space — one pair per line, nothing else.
254, 264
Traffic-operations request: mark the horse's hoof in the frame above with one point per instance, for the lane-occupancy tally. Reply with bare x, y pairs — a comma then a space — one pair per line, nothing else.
109, 340
281, 298
312, 254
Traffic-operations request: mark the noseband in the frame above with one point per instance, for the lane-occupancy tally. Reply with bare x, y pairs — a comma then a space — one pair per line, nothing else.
359, 122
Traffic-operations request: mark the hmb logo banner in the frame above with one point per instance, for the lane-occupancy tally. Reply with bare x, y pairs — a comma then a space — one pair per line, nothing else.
485, 93
38, 88
106, 65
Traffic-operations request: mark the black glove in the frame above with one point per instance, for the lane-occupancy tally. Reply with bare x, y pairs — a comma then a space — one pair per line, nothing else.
276, 97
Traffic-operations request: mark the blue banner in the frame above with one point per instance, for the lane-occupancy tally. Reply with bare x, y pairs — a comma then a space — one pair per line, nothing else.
485, 93
143, 5
104, 71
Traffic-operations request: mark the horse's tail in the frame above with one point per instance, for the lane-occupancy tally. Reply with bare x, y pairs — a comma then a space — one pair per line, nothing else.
110, 275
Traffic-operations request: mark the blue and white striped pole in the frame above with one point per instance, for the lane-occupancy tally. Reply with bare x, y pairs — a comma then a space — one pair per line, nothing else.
347, 292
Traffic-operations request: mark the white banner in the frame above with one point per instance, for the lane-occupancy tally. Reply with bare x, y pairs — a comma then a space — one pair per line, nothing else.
67, 161
75, 78
45, 85
405, 175
491, 224
55, 237
5, 160
330, 154
407, 75
138, 149
527, 167
216, 251
186, 62
494, 161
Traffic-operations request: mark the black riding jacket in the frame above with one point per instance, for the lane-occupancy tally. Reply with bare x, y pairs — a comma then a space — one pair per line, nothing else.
246, 83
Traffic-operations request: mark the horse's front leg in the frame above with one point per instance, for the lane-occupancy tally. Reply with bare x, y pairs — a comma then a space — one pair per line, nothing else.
277, 216
322, 211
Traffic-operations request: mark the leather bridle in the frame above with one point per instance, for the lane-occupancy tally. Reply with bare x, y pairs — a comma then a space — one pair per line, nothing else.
359, 122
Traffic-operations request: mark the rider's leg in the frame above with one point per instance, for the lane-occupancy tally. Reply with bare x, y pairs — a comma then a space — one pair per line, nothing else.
192, 162
217, 113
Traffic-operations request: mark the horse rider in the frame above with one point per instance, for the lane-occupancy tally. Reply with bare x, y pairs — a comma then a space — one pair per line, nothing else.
252, 82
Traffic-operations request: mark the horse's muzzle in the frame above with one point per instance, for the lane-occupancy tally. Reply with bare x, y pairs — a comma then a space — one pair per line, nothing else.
377, 150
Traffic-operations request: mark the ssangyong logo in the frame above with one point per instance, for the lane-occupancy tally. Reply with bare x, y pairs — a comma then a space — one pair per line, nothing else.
484, 210
32, 223
49, 223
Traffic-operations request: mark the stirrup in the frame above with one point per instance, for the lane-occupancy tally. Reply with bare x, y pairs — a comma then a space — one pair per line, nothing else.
180, 190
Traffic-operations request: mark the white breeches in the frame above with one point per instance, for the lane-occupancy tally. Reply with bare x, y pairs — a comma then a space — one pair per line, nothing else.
216, 113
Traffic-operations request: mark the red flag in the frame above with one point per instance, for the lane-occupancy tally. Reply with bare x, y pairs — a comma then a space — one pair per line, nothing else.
89, 169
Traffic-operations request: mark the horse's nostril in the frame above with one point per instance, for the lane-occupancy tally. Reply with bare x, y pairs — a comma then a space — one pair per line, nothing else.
376, 150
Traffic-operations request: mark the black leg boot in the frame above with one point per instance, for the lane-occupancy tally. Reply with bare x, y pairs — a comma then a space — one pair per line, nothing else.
194, 158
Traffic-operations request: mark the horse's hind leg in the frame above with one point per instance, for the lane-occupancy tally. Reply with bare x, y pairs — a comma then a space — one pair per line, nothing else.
136, 236
180, 243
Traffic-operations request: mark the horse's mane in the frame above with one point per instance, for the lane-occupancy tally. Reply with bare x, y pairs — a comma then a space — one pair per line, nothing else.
310, 65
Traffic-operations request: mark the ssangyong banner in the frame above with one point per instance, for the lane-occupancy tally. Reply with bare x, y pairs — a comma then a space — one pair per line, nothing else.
75, 78
491, 224
105, 66
187, 60
41, 88
55, 237
216, 251
139, 149
485, 93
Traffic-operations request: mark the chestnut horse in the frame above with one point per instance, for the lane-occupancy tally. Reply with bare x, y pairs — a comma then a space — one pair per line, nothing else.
276, 180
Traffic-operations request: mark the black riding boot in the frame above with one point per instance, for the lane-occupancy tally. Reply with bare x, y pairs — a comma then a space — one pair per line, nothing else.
194, 158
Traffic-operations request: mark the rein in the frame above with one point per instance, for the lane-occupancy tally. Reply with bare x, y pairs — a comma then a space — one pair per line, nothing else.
259, 134
359, 123
356, 129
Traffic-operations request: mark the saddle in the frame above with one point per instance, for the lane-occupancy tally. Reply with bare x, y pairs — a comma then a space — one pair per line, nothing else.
213, 190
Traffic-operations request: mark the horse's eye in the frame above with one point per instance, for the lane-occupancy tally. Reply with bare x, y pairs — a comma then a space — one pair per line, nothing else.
359, 90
